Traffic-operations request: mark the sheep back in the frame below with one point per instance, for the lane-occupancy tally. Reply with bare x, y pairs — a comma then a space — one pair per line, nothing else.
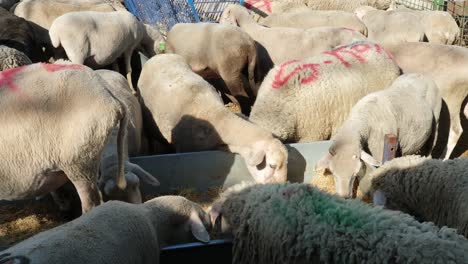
308, 100
296, 223
429, 189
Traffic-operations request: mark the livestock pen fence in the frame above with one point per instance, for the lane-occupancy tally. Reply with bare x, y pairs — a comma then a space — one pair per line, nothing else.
458, 9
167, 13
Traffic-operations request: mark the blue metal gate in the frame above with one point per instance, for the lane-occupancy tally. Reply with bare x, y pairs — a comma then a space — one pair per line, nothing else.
167, 13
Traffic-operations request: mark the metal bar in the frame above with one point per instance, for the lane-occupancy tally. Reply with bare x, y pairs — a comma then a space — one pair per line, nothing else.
216, 252
194, 11
390, 147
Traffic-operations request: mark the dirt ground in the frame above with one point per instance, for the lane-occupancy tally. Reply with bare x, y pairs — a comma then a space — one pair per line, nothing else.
18, 222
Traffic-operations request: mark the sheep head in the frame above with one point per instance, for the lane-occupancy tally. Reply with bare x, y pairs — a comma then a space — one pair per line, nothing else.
133, 175
267, 161
233, 14
345, 163
178, 220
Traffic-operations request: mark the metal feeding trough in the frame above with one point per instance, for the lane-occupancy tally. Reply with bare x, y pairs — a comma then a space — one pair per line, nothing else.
204, 170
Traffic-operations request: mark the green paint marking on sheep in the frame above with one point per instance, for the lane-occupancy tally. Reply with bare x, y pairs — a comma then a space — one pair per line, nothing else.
327, 210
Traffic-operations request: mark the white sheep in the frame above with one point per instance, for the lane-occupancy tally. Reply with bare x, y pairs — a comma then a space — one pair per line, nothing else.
44, 12
260, 9
296, 223
387, 27
219, 51
56, 120
109, 159
97, 39
41, 14
439, 27
117, 232
448, 72
316, 18
308, 100
191, 115
284, 44
411, 103
429, 189
345, 5
11, 58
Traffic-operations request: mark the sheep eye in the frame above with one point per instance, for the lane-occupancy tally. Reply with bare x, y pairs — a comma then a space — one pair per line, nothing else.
272, 166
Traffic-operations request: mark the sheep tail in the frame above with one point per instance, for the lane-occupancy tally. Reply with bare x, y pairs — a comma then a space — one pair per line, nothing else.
252, 57
121, 148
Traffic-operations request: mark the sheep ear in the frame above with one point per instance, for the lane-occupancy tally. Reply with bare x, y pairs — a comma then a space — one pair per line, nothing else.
379, 198
215, 212
110, 187
197, 228
255, 156
143, 175
369, 159
324, 162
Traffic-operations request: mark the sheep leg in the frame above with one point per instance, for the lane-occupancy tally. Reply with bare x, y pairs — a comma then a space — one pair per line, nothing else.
115, 66
84, 180
451, 143
237, 89
128, 66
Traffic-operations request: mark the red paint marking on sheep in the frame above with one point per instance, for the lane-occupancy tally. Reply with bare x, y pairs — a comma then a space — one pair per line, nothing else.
58, 67
280, 80
337, 53
259, 4
7, 78
355, 50
379, 49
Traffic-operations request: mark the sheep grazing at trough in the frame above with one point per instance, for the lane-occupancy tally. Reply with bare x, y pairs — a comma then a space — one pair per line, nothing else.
117, 232
109, 159
12, 58
412, 103
213, 51
97, 39
296, 223
191, 116
17, 33
387, 27
316, 18
308, 100
429, 189
56, 121
284, 44
446, 65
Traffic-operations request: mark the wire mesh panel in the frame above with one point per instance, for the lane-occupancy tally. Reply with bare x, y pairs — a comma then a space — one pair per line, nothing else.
211, 10
457, 8
163, 13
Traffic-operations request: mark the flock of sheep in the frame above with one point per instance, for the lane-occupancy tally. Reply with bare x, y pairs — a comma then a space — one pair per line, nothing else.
348, 71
